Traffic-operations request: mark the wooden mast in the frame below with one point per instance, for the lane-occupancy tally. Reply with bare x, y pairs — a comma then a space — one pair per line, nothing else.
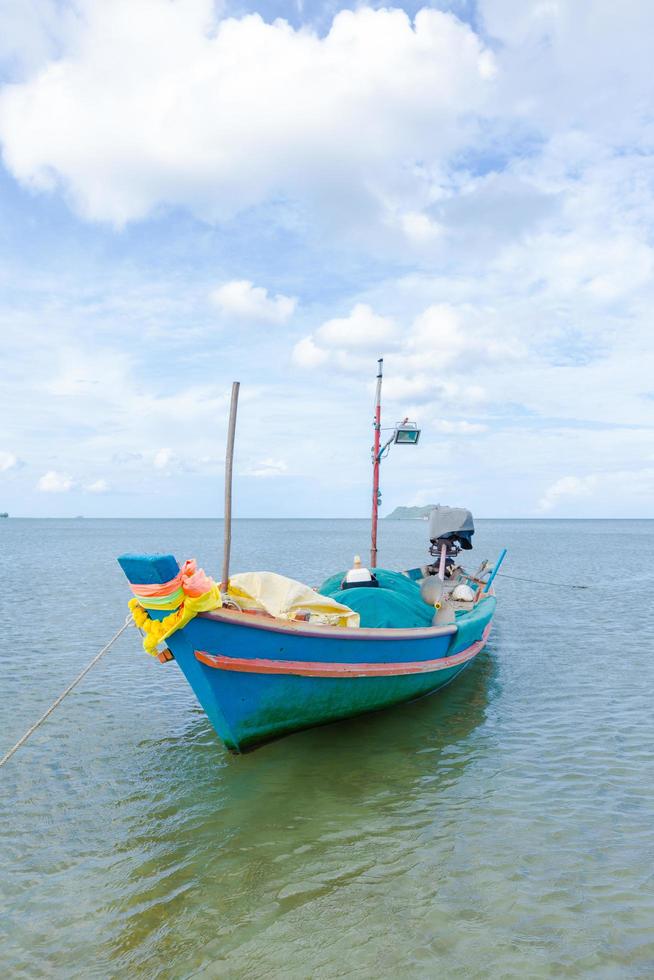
375, 467
229, 464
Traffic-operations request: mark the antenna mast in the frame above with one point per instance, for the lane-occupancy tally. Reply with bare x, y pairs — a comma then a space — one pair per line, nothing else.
375, 466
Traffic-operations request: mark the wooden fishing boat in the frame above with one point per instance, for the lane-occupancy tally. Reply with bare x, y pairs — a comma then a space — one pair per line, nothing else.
259, 675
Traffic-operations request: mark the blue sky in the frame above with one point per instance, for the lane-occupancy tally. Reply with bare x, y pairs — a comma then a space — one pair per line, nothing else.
195, 192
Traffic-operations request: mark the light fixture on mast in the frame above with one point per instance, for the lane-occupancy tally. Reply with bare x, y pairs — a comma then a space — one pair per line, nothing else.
405, 433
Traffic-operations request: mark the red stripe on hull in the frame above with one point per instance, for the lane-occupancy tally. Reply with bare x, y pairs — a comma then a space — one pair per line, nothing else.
303, 668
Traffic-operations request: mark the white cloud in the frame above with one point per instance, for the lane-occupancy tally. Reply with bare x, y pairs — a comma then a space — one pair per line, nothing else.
98, 486
420, 228
32, 31
440, 337
347, 339
563, 56
164, 459
441, 343
363, 328
601, 269
8, 461
427, 388
266, 467
457, 427
566, 487
243, 300
54, 482
307, 354
156, 103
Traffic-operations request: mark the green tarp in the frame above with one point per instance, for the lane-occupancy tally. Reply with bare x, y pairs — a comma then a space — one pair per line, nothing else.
396, 604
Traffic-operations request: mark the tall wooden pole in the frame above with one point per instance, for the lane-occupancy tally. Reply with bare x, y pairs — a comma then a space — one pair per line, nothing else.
375, 467
229, 463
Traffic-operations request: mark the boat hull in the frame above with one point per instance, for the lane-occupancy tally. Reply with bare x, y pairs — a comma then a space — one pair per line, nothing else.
257, 680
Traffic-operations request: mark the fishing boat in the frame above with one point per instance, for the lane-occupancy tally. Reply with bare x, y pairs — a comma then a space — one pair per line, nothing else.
267, 656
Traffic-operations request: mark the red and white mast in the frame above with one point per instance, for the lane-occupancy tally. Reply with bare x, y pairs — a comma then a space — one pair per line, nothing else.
375, 466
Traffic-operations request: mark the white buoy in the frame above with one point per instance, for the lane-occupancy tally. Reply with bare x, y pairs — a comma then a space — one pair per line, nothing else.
463, 593
358, 572
431, 590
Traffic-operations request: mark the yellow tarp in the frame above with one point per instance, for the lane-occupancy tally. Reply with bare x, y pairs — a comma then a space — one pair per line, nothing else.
284, 598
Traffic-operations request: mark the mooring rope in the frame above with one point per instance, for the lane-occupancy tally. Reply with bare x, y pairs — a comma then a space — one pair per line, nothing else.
55, 704
536, 581
523, 578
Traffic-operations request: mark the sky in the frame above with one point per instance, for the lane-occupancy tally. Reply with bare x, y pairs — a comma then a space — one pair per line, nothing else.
279, 193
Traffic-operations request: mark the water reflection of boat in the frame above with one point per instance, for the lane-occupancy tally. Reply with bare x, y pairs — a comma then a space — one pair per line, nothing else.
408, 729
267, 656
291, 821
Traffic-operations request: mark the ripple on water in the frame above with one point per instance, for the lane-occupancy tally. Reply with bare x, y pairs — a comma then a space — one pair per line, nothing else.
503, 827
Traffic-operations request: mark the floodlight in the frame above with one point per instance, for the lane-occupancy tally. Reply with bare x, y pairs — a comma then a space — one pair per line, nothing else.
406, 434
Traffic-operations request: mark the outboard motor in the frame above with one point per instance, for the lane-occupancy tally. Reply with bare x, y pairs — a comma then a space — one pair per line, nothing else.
450, 530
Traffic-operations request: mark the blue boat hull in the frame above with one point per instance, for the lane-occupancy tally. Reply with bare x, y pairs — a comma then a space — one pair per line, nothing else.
257, 681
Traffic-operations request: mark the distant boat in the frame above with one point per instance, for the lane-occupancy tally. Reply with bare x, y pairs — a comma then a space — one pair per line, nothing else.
4, 514
260, 676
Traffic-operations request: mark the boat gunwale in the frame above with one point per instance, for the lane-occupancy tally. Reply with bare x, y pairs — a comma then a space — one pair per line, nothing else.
258, 665
318, 630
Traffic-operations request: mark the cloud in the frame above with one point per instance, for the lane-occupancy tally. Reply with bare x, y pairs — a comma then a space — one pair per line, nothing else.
307, 354
420, 228
575, 262
122, 457
565, 487
346, 338
441, 337
98, 486
424, 389
54, 482
156, 103
164, 459
457, 427
8, 461
266, 467
31, 32
441, 343
561, 56
363, 328
243, 300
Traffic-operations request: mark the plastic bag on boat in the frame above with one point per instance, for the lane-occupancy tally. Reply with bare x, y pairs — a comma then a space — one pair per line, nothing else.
284, 598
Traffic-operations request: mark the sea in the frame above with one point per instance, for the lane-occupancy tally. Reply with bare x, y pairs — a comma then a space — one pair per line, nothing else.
503, 827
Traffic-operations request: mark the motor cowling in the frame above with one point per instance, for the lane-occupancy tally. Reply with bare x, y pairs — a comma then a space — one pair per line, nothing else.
451, 529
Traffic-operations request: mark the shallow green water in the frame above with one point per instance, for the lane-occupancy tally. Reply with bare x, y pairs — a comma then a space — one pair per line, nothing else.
504, 827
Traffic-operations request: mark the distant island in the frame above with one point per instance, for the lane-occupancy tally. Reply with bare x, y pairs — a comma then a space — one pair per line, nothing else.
4, 514
410, 513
